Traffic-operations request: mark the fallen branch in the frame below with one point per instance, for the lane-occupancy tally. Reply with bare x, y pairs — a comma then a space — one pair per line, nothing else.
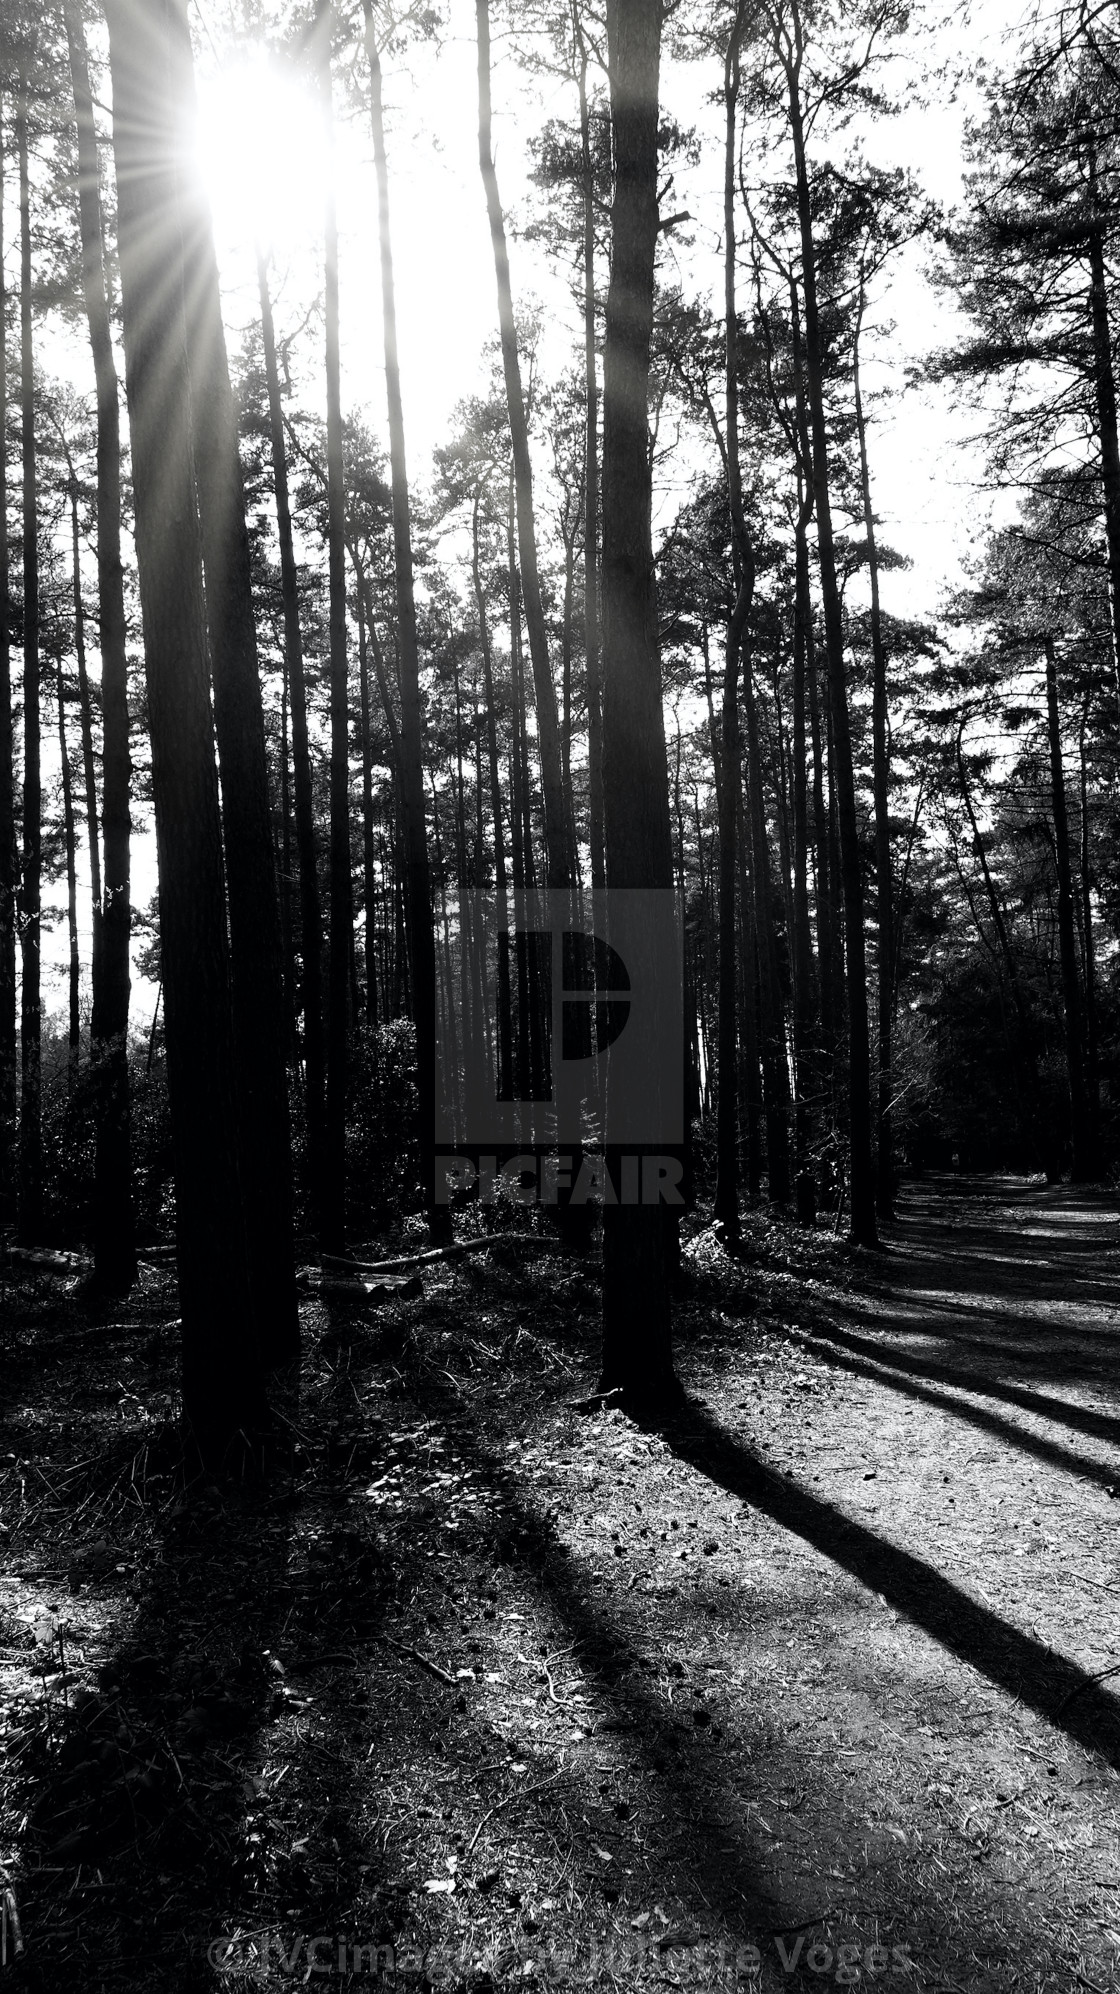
454, 1252
360, 1288
423, 1661
1080, 1688
526, 1793
44, 1261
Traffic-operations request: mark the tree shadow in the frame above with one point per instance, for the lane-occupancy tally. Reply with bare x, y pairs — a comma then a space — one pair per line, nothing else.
1061, 1692
970, 1378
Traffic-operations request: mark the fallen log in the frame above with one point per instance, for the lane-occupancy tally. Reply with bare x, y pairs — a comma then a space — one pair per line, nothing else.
357, 1289
45, 1261
455, 1252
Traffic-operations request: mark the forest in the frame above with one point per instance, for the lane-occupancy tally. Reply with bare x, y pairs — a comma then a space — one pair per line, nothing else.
559, 993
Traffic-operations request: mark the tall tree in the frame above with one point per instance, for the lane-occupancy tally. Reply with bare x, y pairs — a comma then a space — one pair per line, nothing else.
333, 1210
30, 907
256, 946
558, 830
113, 1242
9, 861
788, 39
311, 917
1085, 1166
222, 1380
419, 895
637, 1347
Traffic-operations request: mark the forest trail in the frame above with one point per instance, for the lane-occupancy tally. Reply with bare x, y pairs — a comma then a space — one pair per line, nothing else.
812, 1680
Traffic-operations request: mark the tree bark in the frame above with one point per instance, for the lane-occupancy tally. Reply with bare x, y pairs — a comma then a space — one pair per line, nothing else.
256, 947
223, 1398
1084, 1162
74, 977
861, 1165
421, 933
114, 1249
637, 1349
726, 1207
9, 858
30, 907
884, 884
559, 844
1104, 383
311, 917
1085, 870
593, 663
332, 1217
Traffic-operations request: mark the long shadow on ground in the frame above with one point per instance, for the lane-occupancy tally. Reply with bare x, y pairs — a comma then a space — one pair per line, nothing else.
989, 1422
971, 1377
1067, 1696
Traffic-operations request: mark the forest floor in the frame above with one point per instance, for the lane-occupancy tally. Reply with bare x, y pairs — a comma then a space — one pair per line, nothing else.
807, 1686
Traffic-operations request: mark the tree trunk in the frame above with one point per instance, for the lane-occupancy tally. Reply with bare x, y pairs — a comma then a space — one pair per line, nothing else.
30, 1126
772, 1032
114, 1250
9, 860
1085, 869
368, 873
74, 978
256, 946
804, 999
311, 918
422, 954
637, 1348
593, 662
505, 1002
332, 1217
85, 716
884, 885
861, 1165
726, 1207
1104, 383
223, 1399
557, 830
1084, 1164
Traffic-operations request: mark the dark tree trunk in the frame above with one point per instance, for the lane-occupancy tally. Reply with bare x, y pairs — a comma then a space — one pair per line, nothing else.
772, 1031
286, 926
30, 1125
311, 918
593, 662
884, 884
369, 893
74, 978
637, 1347
1104, 382
256, 946
223, 1399
9, 859
861, 1165
505, 1002
804, 998
1084, 1164
114, 1251
85, 716
421, 935
1092, 1045
726, 1207
332, 1218
557, 830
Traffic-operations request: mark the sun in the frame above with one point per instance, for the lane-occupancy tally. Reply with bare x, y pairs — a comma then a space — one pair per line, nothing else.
262, 152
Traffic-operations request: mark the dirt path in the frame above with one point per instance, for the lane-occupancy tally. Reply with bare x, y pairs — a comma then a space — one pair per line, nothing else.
796, 1690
